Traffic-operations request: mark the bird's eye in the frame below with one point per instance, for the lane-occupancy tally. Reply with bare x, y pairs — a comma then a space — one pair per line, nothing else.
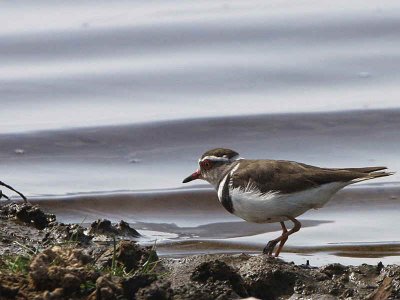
206, 164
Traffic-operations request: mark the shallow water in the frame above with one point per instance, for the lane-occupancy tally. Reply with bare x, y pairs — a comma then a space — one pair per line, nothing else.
355, 227
105, 108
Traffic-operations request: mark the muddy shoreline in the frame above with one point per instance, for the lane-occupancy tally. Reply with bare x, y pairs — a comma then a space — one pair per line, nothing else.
42, 258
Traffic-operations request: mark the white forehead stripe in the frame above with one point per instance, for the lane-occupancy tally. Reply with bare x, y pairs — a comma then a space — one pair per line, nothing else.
214, 158
237, 157
217, 158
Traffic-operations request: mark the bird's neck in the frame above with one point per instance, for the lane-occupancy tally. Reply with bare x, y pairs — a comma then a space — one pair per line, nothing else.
225, 171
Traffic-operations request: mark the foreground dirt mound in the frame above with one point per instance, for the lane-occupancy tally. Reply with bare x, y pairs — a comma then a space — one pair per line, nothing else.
60, 272
236, 276
43, 259
72, 273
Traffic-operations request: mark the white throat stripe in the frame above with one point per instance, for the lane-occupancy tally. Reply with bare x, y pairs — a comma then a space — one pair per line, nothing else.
235, 168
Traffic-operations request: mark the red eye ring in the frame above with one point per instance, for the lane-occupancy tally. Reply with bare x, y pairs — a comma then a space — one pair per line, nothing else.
206, 164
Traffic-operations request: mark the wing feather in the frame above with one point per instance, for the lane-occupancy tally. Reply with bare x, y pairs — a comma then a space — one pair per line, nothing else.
289, 176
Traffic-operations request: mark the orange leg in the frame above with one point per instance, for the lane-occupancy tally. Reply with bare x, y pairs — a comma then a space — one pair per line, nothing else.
269, 248
283, 240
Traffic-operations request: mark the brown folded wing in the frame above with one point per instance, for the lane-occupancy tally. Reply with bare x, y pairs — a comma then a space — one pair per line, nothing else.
289, 176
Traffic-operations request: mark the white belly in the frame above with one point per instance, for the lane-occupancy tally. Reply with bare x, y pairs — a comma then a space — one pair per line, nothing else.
253, 206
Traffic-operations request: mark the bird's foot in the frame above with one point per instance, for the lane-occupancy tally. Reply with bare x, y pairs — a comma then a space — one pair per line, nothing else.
269, 248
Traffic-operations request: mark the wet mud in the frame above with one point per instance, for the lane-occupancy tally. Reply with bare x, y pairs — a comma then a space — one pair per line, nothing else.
44, 259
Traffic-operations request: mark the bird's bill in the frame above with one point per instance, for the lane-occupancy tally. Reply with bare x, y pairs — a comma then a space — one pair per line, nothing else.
194, 176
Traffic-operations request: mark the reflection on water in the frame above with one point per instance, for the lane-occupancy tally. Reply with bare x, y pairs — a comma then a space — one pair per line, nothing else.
222, 230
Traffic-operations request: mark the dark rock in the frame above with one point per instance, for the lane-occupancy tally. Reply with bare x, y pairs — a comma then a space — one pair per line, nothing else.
210, 291
7, 291
71, 282
334, 269
218, 270
39, 218
132, 255
125, 230
272, 284
134, 283
29, 214
158, 290
73, 233
102, 227
128, 253
106, 289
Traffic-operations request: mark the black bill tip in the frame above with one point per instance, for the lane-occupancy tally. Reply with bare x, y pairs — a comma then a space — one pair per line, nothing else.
195, 175
187, 179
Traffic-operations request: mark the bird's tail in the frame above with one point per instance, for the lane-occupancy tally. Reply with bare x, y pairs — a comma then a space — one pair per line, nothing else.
366, 169
370, 173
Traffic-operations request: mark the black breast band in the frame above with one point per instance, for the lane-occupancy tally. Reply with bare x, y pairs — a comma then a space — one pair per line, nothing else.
226, 200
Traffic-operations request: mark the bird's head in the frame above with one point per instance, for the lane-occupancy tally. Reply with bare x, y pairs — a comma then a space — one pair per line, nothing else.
213, 165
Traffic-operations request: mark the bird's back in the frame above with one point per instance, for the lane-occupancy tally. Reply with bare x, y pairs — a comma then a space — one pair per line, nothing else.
289, 176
